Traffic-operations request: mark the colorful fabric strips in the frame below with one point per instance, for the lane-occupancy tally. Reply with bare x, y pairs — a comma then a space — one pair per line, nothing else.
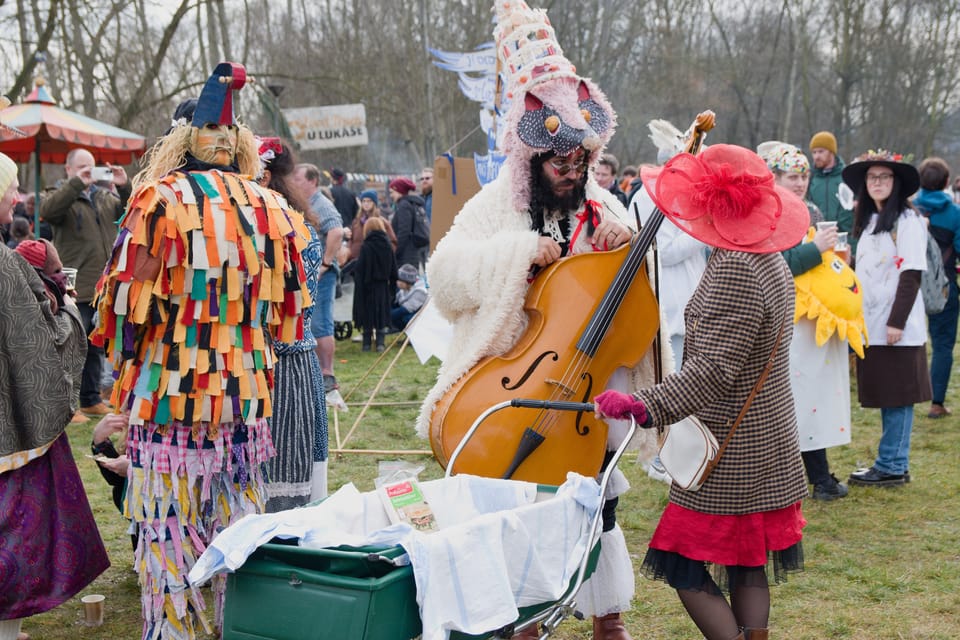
205, 275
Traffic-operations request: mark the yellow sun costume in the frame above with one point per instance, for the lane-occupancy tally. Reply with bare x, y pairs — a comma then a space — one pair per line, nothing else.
830, 293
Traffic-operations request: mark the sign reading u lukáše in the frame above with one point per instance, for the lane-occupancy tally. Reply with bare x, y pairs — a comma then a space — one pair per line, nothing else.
342, 125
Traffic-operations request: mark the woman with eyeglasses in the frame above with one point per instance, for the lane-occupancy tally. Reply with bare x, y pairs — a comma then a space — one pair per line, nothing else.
891, 255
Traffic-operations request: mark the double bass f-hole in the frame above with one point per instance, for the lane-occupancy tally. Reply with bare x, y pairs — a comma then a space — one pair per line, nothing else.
505, 381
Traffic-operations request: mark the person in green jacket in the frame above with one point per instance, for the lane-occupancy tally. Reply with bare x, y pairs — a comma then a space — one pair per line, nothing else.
826, 179
84, 215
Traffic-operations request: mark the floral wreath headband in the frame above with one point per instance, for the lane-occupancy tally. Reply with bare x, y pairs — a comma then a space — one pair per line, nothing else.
882, 155
854, 174
784, 157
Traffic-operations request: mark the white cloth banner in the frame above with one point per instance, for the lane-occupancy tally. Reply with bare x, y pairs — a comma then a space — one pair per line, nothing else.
484, 58
429, 333
482, 89
342, 125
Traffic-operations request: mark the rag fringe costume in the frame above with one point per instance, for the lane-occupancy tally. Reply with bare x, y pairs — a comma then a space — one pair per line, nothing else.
205, 275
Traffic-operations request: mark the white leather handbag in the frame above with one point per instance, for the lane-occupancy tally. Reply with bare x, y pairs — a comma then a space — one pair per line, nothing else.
687, 449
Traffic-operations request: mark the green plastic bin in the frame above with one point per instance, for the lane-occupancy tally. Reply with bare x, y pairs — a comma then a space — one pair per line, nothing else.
285, 592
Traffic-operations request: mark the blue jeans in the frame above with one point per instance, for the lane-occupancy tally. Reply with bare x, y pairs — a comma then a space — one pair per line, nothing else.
893, 452
93, 365
399, 317
321, 324
943, 335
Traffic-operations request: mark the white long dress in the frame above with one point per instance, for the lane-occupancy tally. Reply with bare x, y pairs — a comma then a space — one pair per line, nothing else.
820, 380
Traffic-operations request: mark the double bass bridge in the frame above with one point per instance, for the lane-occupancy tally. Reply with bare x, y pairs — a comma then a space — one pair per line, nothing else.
565, 390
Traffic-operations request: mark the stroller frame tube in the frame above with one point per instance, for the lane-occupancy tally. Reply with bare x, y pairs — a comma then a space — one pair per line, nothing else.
552, 616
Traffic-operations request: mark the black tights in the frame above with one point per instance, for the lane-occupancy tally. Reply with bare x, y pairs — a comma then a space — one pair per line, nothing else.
749, 605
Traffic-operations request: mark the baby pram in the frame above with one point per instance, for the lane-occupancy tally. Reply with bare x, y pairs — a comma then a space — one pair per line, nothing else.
369, 593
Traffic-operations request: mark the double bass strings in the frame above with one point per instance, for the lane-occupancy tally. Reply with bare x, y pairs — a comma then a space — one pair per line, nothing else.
599, 323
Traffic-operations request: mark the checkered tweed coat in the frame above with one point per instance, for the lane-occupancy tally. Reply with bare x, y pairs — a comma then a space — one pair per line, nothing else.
732, 322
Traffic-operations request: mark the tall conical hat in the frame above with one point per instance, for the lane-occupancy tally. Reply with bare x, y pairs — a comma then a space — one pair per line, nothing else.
552, 109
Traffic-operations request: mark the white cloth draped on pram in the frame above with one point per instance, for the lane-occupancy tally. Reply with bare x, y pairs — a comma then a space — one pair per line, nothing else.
498, 547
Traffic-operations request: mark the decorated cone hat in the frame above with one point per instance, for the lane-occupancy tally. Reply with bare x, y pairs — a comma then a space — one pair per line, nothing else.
726, 197
215, 104
552, 109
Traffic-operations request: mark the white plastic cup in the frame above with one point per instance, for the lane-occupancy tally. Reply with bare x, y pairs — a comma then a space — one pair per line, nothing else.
93, 609
842, 247
826, 224
71, 274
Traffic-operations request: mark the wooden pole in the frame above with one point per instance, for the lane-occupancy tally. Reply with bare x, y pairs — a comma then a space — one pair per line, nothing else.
401, 452
372, 367
336, 426
376, 389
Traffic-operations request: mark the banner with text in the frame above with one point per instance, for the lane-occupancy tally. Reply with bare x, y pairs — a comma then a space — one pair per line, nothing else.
342, 125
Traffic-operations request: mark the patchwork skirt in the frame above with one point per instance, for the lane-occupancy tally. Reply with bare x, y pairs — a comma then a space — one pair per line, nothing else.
298, 428
186, 484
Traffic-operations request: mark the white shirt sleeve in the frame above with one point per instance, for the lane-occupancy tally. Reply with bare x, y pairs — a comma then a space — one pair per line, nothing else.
912, 241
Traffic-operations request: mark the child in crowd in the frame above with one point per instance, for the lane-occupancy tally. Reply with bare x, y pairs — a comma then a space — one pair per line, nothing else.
411, 295
19, 231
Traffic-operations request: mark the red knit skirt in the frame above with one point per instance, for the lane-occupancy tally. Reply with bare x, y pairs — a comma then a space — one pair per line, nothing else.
686, 540
740, 540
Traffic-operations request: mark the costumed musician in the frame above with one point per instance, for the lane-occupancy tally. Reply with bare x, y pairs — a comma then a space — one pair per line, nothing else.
544, 205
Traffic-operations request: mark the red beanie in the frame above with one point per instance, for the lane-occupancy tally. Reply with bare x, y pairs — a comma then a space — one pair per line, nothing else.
34, 251
403, 186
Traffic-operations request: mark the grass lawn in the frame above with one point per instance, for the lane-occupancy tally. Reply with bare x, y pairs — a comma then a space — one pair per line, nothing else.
881, 564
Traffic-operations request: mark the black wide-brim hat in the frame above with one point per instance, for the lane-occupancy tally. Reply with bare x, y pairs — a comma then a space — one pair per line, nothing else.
855, 173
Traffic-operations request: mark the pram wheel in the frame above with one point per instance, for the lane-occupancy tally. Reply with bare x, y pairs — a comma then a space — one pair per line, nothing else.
342, 330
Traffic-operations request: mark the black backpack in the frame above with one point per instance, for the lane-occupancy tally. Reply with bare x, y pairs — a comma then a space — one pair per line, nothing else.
420, 233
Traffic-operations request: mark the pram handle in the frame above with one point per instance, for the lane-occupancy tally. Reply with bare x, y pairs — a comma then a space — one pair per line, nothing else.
558, 405
565, 605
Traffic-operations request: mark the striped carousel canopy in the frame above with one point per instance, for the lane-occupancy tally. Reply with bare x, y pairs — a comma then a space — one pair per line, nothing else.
39, 125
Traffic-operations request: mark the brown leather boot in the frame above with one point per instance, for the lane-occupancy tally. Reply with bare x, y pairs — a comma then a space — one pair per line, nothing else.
609, 627
755, 634
530, 633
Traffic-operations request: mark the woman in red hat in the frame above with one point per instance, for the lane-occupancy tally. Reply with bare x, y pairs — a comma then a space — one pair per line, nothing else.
406, 203
742, 529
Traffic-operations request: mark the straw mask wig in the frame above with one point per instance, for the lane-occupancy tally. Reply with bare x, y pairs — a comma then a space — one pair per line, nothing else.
552, 109
206, 131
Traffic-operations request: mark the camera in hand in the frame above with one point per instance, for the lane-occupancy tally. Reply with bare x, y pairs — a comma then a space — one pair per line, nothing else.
102, 174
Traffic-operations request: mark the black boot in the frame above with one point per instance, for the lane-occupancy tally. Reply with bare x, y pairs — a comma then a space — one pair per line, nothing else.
367, 338
380, 337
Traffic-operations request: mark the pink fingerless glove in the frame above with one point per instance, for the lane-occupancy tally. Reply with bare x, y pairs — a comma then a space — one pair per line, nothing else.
619, 405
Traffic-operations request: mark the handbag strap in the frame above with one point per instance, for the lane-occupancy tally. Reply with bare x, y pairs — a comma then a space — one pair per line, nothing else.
746, 405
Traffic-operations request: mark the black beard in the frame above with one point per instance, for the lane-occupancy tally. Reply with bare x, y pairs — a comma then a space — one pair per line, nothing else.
543, 198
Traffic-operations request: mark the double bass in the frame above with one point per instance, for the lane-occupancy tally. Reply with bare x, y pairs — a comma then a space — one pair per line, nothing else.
567, 353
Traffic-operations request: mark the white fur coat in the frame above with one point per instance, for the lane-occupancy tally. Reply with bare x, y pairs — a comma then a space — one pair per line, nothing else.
478, 281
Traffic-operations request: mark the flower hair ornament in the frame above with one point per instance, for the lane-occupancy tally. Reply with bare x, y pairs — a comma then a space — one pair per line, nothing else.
268, 148
727, 198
